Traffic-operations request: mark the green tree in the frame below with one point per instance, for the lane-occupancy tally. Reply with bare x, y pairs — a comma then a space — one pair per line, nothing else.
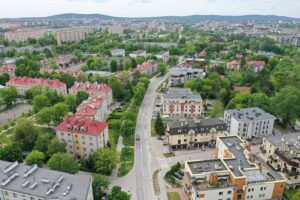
81, 96
45, 116
100, 184
59, 110
260, 100
39, 102
127, 64
139, 92
159, 126
240, 100
127, 128
26, 133
42, 142
64, 163
285, 105
11, 153
117, 193
106, 161
162, 68
55, 146
9, 95
70, 100
4, 78
113, 66
35, 157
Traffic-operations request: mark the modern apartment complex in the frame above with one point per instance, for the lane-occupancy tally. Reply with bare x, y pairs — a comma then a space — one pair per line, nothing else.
71, 35
249, 122
181, 102
83, 136
194, 133
95, 107
233, 175
180, 75
24, 84
282, 152
22, 182
149, 67
94, 89
22, 35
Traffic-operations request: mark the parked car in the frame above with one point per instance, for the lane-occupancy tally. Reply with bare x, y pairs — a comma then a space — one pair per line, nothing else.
177, 175
180, 171
137, 137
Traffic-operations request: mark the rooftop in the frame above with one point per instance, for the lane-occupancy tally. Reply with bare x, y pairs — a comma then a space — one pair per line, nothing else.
181, 93
139, 52
146, 65
290, 138
178, 71
202, 166
250, 114
35, 81
43, 183
91, 87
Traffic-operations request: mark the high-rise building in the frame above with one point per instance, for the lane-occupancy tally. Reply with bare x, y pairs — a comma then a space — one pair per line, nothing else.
22, 35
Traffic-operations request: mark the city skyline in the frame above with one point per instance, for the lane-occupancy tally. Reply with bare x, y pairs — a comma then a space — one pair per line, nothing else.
149, 8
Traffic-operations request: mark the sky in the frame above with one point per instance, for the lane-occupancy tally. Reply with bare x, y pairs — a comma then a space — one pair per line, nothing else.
148, 8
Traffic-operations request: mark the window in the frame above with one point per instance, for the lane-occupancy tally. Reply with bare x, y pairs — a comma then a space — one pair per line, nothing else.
220, 193
229, 192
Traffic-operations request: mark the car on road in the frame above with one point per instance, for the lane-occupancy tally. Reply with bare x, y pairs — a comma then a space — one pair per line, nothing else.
137, 137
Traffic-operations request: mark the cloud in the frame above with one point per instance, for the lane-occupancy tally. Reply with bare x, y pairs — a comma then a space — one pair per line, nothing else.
89, 1
142, 1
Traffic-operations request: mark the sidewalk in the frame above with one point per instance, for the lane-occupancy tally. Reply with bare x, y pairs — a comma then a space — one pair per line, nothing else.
114, 174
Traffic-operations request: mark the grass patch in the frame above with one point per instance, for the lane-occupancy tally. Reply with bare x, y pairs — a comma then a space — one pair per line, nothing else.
113, 137
153, 132
128, 141
168, 155
173, 196
126, 160
292, 194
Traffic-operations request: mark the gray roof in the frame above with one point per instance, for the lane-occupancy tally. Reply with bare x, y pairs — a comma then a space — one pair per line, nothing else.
44, 179
198, 167
250, 114
202, 126
138, 52
181, 93
291, 138
178, 71
162, 53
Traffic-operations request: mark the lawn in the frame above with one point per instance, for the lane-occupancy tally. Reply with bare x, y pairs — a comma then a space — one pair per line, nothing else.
153, 133
292, 194
173, 196
170, 154
113, 137
126, 160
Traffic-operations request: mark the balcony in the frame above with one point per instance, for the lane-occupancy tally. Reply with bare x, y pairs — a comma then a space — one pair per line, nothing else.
206, 185
286, 157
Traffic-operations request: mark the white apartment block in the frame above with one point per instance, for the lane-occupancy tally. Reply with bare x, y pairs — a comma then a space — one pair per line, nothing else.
83, 136
22, 35
22, 182
118, 52
138, 53
72, 35
249, 122
181, 102
164, 55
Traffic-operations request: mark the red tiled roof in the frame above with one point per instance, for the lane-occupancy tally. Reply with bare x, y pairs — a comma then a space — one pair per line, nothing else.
83, 126
234, 62
91, 87
74, 73
90, 106
7, 68
35, 81
242, 89
146, 65
256, 63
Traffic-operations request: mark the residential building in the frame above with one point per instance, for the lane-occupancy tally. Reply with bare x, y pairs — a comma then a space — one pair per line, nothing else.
149, 67
138, 53
216, 63
101, 73
71, 34
194, 133
94, 89
257, 66
282, 152
23, 84
202, 54
181, 102
164, 55
83, 136
22, 35
234, 65
22, 182
249, 122
95, 107
2, 48
8, 69
116, 28
234, 174
242, 89
118, 52
180, 75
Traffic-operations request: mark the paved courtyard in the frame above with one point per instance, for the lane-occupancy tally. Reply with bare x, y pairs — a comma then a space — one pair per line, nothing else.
13, 113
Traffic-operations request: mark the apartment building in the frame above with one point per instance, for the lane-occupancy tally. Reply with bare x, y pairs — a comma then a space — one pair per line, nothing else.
138, 53
282, 152
234, 174
181, 102
95, 107
22, 182
194, 133
163, 55
180, 75
71, 34
116, 28
22, 35
257, 66
8, 69
234, 65
23, 84
149, 67
118, 52
249, 122
83, 136
94, 89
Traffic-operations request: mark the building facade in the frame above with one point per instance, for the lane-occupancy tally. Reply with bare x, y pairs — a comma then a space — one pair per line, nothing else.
180, 75
164, 55
194, 133
257, 66
83, 136
138, 53
94, 89
8, 69
181, 102
149, 67
249, 122
118, 52
22, 35
234, 65
234, 174
283, 154
22, 182
71, 35
23, 84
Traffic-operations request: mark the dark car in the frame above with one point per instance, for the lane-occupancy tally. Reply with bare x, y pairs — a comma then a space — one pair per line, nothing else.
137, 137
177, 175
